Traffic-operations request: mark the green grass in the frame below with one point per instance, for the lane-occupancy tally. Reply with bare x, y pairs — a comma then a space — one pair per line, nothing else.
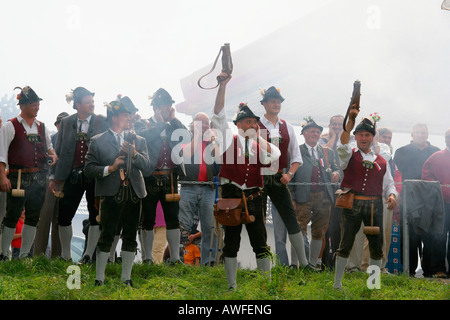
43, 279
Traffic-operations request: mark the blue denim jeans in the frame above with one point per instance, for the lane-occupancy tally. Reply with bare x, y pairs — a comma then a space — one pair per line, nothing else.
198, 200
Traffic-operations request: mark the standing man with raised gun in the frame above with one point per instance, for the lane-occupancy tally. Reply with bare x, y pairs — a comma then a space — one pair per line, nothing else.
367, 178
243, 156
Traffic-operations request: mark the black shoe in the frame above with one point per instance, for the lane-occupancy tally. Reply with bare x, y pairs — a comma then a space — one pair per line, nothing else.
85, 260
128, 283
148, 261
310, 267
173, 263
3, 257
98, 283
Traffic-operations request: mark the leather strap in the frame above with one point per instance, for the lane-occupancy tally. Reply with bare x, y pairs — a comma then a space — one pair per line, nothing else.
161, 173
26, 170
219, 79
367, 197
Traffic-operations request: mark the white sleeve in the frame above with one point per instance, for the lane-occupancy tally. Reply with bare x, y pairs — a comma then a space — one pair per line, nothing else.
274, 154
345, 152
388, 183
7, 133
294, 150
224, 133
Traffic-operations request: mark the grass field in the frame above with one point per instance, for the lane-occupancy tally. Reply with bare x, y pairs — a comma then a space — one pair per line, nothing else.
43, 279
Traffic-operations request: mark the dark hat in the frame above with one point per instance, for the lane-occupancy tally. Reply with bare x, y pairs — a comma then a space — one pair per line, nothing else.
244, 112
271, 93
60, 117
161, 98
27, 95
310, 123
366, 125
129, 104
116, 107
77, 95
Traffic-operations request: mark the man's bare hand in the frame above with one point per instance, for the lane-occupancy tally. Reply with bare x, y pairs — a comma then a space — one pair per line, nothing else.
117, 163
5, 183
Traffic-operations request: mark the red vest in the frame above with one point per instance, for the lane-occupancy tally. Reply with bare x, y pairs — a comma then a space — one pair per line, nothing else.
23, 153
80, 151
364, 180
239, 169
165, 159
283, 145
316, 177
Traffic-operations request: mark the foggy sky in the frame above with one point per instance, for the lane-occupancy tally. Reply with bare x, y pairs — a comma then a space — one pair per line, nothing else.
135, 47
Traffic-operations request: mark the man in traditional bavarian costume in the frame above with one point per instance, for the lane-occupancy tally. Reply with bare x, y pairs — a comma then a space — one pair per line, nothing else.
164, 177
313, 203
74, 137
366, 175
243, 157
276, 178
118, 167
24, 146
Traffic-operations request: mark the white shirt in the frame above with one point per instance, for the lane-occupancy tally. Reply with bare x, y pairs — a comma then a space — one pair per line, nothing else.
295, 155
121, 135
225, 137
345, 152
310, 150
7, 134
84, 124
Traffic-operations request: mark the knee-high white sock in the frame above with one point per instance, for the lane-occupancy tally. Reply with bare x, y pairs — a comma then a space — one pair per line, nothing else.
264, 266
127, 264
230, 265
373, 262
28, 233
100, 265
65, 237
298, 243
112, 251
173, 238
339, 271
147, 243
314, 251
7, 237
93, 235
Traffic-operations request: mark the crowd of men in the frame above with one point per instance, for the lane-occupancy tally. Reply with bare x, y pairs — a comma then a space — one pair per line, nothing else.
126, 167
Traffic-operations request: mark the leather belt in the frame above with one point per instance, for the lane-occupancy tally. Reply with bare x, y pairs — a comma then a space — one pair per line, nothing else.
26, 170
367, 197
254, 195
161, 172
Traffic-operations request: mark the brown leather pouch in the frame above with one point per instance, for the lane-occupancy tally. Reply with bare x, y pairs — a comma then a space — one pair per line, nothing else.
228, 211
344, 199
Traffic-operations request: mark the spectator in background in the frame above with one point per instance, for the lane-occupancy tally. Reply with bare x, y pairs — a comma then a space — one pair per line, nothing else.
192, 253
331, 140
198, 199
16, 243
409, 160
313, 203
2, 195
436, 168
